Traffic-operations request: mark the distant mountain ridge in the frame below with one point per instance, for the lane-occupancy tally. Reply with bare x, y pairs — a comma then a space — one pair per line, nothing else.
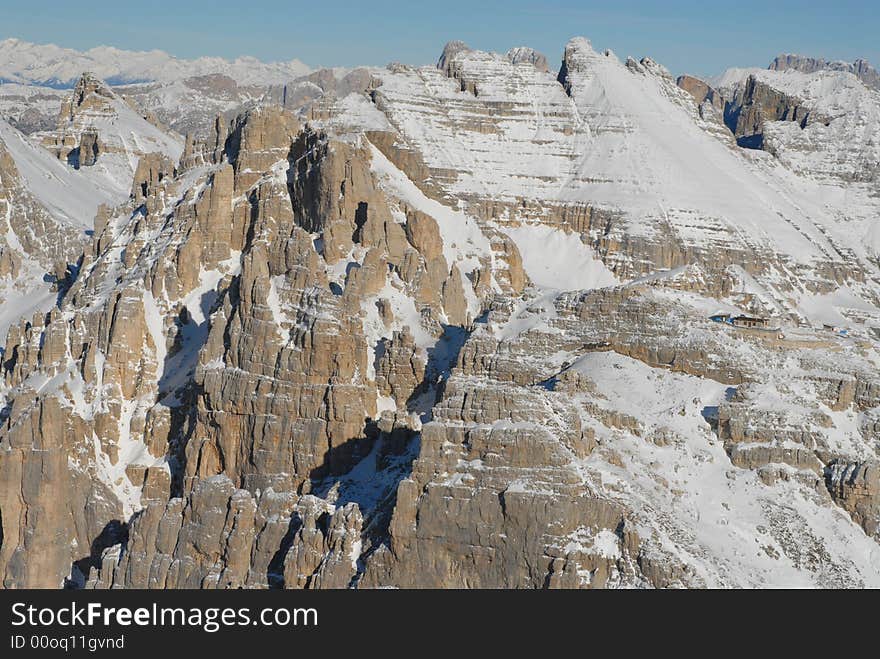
860, 68
53, 66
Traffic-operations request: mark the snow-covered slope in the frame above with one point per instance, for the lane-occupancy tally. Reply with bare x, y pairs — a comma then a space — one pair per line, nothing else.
50, 65
513, 133
121, 132
623, 142
70, 196
715, 508
50, 205
733, 76
559, 261
45, 211
646, 157
842, 137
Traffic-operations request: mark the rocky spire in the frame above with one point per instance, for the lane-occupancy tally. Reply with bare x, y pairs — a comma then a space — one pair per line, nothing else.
87, 85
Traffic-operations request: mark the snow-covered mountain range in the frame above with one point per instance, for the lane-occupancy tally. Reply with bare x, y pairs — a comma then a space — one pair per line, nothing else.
479, 324
49, 65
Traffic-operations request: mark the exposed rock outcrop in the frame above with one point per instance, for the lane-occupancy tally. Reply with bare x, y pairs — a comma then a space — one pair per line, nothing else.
95, 123
860, 68
711, 103
758, 103
528, 55
856, 487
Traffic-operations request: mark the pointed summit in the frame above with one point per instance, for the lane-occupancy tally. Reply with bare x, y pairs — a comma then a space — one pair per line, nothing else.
578, 45
578, 52
96, 124
82, 97
449, 51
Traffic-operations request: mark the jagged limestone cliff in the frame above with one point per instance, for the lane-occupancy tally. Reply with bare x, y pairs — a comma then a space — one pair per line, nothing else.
453, 331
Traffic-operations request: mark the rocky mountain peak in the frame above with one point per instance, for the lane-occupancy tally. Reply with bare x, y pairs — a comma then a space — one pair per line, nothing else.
805, 112
578, 48
257, 139
655, 68
451, 49
576, 59
528, 55
860, 68
89, 94
89, 83
96, 124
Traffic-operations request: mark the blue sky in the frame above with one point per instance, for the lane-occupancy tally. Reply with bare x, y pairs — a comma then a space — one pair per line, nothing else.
696, 36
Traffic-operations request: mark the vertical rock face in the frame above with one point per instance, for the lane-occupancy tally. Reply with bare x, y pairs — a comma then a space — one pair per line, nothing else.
93, 431
88, 148
331, 190
820, 125
701, 91
856, 487
289, 400
711, 103
257, 141
152, 170
231, 361
217, 537
493, 454
758, 103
